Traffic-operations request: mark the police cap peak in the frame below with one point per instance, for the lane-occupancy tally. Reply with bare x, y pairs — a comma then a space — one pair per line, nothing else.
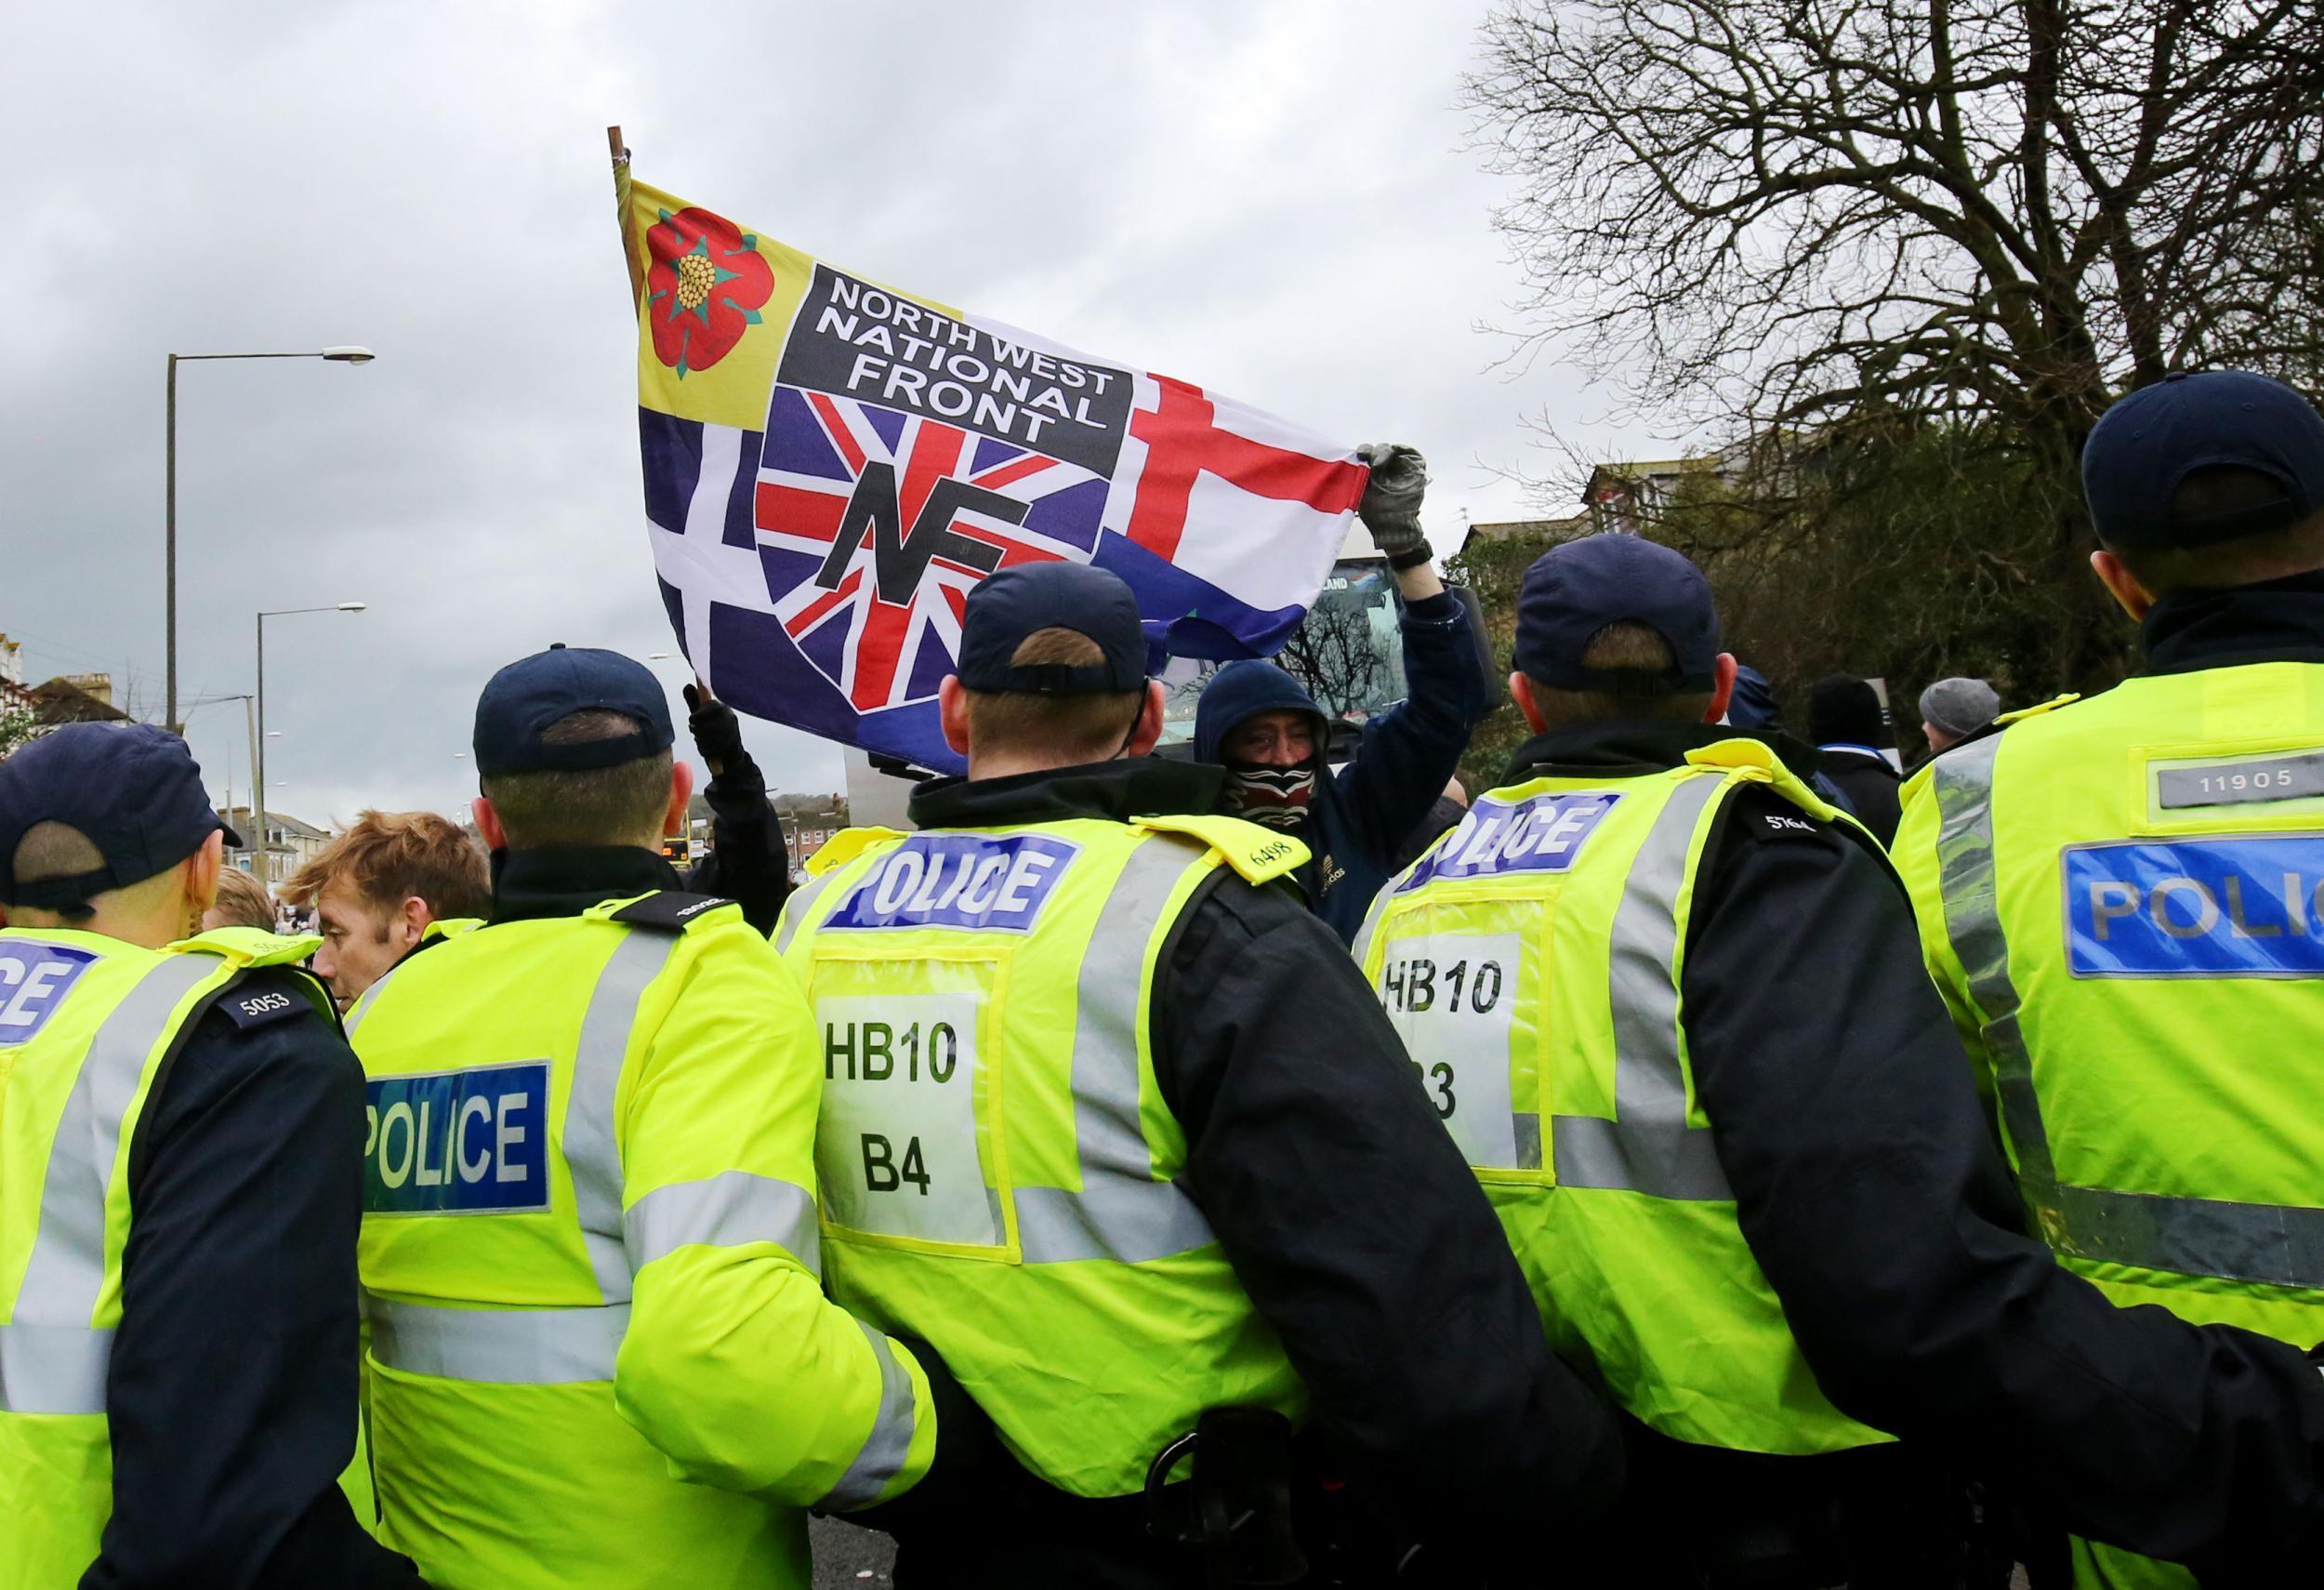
526, 699
132, 789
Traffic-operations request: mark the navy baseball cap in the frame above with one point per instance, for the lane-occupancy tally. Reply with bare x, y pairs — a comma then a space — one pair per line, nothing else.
133, 789
1574, 590
522, 700
2144, 447
1006, 607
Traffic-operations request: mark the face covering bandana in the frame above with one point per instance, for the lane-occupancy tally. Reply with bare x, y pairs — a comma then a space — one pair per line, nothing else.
1276, 796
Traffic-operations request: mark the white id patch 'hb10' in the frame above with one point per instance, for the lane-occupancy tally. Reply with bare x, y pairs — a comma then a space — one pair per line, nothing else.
1449, 998
895, 1150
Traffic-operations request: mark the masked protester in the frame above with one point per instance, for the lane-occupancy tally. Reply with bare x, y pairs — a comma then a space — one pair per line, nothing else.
1258, 723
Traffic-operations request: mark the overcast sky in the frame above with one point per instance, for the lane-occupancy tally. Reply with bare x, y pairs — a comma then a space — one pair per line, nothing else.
1273, 200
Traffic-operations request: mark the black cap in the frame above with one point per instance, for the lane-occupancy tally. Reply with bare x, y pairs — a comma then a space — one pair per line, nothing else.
2148, 443
1004, 608
523, 699
133, 789
1574, 590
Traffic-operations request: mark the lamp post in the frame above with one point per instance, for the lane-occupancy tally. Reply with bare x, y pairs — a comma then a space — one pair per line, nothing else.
341, 354
257, 782
249, 727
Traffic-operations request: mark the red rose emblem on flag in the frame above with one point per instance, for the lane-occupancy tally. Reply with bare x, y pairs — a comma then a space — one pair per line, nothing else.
704, 288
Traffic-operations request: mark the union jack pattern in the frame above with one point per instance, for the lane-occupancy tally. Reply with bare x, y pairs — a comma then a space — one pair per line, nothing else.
817, 454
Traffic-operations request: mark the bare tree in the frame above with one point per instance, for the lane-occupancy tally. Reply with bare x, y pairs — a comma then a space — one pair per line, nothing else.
1335, 657
1858, 224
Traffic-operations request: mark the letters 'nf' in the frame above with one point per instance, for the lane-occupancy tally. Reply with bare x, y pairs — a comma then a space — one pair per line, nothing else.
831, 466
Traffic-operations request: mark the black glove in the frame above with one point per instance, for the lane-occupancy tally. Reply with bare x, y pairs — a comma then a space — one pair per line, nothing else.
718, 732
1391, 505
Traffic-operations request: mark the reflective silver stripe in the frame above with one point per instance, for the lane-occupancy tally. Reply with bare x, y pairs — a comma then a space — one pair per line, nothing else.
1647, 1146
53, 1369
1660, 1161
504, 1347
2268, 1244
66, 1270
2271, 1245
890, 1442
725, 1210
590, 1151
1961, 781
1121, 1213
800, 906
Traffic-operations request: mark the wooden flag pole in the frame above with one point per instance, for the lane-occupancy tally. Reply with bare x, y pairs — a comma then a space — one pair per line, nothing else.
620, 151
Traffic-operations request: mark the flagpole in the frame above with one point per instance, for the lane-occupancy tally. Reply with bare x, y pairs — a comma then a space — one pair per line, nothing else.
620, 152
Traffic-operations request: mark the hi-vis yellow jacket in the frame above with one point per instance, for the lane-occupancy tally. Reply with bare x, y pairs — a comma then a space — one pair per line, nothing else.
998, 1162
2124, 904
86, 1022
600, 1354
1531, 961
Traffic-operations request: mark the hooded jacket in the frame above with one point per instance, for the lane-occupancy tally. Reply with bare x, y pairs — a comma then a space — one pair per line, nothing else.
1359, 816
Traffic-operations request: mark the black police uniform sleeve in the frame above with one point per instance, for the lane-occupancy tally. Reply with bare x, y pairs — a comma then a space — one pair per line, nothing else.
1358, 1232
747, 863
1872, 1195
232, 1390
1407, 753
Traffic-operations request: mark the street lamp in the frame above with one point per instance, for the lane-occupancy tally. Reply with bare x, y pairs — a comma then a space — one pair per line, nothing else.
257, 800
339, 353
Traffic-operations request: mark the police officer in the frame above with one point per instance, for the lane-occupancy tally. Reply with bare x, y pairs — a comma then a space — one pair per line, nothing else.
2122, 899
1109, 1120
1671, 1006
180, 1183
589, 1215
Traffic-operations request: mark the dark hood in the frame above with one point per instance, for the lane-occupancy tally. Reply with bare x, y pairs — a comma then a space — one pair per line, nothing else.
1133, 786
1639, 748
1753, 704
2279, 620
1242, 690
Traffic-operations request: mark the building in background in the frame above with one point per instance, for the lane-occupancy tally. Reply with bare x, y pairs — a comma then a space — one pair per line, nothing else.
290, 843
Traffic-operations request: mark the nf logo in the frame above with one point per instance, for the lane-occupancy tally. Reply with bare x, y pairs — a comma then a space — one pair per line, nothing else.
959, 880
35, 978
1543, 834
2240, 908
457, 1142
898, 560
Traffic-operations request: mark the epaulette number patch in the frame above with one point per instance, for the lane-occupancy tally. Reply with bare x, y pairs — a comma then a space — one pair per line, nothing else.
257, 1007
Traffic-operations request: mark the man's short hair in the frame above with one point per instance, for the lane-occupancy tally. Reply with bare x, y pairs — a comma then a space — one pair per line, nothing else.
389, 857
1063, 729
54, 850
2246, 559
1633, 648
242, 900
567, 809
51, 850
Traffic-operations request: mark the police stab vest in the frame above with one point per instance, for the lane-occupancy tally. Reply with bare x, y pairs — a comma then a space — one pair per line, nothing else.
998, 1167
1530, 960
502, 1230
2131, 892
88, 1027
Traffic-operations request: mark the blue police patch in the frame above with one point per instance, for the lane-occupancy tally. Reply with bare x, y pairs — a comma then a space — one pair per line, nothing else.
959, 880
2214, 907
1543, 834
35, 978
457, 1142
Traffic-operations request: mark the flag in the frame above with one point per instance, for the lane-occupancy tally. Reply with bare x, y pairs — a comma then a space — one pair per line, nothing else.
831, 465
